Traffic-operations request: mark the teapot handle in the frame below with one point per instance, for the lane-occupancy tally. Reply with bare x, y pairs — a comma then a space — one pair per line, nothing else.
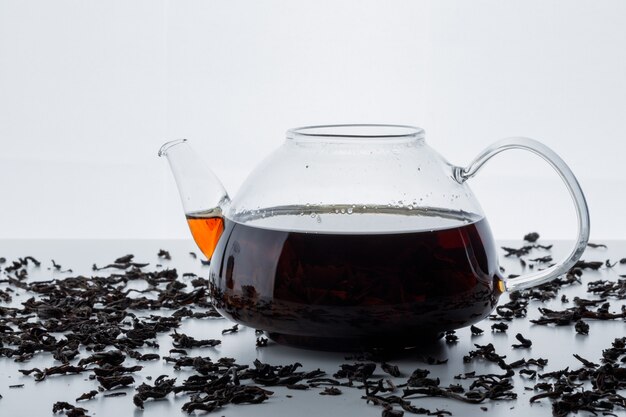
582, 212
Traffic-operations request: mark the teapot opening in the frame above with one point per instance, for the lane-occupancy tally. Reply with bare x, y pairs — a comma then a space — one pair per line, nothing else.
339, 133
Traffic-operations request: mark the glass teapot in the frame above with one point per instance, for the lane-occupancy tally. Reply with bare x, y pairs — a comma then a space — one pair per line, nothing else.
355, 236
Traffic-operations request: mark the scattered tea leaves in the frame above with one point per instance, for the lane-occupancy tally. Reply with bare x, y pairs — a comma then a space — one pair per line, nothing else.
113, 334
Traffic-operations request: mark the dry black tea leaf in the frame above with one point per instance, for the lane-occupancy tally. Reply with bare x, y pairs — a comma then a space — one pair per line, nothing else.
147, 357
124, 259
70, 410
24, 261
543, 259
163, 254
588, 265
390, 412
499, 327
87, 396
581, 327
183, 341
392, 370
331, 391
451, 337
531, 237
586, 362
110, 382
596, 245
357, 371
532, 374
233, 329
161, 388
115, 394
55, 370
524, 343
111, 357
476, 330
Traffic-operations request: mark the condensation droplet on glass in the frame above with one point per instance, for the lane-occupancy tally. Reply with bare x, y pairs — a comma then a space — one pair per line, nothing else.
410, 206
350, 210
343, 211
319, 219
313, 215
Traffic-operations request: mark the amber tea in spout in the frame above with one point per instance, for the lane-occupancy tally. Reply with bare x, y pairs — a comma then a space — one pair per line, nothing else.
206, 229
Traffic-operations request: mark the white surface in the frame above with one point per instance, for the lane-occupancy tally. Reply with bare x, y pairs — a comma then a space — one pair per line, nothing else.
89, 90
555, 343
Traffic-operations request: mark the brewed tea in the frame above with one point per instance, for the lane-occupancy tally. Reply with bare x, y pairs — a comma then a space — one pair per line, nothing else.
206, 231
329, 290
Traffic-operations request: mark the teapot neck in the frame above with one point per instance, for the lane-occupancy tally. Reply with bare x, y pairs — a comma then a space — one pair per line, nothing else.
357, 134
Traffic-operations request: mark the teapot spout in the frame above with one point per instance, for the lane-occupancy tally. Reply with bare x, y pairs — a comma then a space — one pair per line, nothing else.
202, 194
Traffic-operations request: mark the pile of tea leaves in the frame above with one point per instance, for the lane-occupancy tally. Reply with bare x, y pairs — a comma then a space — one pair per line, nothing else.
105, 326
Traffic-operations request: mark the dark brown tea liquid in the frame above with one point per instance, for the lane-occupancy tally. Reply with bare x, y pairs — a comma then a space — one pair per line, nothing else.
356, 290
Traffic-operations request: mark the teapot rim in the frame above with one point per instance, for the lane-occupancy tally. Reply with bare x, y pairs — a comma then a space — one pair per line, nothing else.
355, 131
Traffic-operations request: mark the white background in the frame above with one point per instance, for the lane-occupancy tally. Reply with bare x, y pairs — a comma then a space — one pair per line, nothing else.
90, 89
